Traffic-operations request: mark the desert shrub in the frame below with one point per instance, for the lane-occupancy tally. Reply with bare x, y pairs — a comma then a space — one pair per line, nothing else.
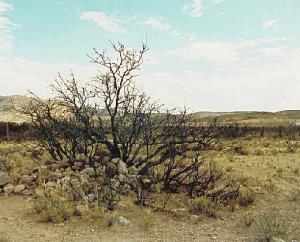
54, 206
274, 151
240, 150
270, 186
230, 157
279, 171
246, 197
248, 219
296, 171
266, 144
291, 147
271, 225
294, 195
203, 205
258, 152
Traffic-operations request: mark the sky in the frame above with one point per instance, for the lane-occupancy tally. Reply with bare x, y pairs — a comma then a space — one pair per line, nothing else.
212, 55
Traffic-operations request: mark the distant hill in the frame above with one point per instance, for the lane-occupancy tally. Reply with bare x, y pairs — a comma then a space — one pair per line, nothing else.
7, 108
8, 114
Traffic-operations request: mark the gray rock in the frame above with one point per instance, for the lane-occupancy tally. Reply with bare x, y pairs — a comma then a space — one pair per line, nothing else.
4, 179
115, 161
39, 192
89, 171
78, 164
122, 178
100, 170
125, 189
51, 184
27, 192
132, 170
122, 220
111, 169
8, 189
26, 179
91, 197
18, 189
122, 168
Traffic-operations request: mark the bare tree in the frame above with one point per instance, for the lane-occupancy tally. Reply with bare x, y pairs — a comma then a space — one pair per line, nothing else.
137, 130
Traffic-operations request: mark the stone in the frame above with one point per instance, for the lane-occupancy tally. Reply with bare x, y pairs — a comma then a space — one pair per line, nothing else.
18, 189
51, 184
122, 178
122, 220
100, 170
122, 168
26, 179
27, 192
111, 169
115, 161
39, 192
8, 189
132, 170
91, 197
89, 171
125, 189
4, 179
78, 164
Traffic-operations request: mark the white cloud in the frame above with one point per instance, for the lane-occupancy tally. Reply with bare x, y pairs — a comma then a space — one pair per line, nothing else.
108, 23
18, 75
212, 50
217, 2
159, 24
6, 38
266, 84
270, 23
193, 9
5, 7
6, 42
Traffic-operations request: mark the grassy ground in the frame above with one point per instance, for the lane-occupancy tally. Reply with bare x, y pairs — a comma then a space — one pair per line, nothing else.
269, 166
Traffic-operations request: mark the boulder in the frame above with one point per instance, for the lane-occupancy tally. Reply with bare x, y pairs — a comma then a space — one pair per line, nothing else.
39, 192
91, 197
122, 168
122, 220
4, 179
26, 179
18, 189
51, 184
8, 189
122, 178
132, 170
111, 169
115, 161
89, 171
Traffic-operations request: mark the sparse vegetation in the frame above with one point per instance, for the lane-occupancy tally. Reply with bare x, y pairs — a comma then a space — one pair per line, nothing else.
204, 206
271, 225
54, 206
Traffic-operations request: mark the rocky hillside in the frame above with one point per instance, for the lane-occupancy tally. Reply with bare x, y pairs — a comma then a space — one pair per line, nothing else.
7, 108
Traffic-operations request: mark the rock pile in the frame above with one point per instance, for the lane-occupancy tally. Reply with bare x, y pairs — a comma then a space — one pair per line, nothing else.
78, 175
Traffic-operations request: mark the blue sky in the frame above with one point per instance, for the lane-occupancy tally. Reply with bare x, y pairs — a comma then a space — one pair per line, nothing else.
217, 55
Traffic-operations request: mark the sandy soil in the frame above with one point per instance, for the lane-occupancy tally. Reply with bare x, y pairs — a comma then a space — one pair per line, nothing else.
19, 223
